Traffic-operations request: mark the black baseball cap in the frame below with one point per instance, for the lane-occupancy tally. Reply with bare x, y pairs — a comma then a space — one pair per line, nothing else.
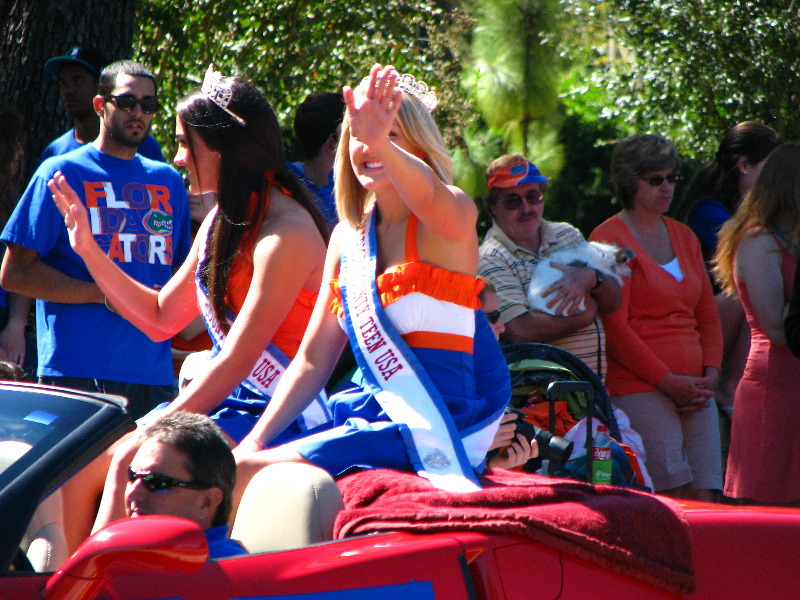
89, 58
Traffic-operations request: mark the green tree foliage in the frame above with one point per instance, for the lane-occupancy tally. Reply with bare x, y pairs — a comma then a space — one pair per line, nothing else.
290, 48
582, 194
513, 77
705, 65
591, 52
689, 70
512, 73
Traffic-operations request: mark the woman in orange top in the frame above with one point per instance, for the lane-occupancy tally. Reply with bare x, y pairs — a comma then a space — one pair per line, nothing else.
665, 341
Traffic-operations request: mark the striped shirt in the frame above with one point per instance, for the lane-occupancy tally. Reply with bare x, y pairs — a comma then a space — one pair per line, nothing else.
510, 269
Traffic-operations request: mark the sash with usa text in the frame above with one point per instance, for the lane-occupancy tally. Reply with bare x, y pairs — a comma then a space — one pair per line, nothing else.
394, 375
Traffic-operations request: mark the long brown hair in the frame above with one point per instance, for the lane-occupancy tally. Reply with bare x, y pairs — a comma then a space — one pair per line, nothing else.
773, 203
719, 179
249, 154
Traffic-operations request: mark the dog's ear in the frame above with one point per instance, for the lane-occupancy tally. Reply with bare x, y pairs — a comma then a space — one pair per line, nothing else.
624, 255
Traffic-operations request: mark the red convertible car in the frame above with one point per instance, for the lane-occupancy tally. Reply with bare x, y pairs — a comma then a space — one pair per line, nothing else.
47, 434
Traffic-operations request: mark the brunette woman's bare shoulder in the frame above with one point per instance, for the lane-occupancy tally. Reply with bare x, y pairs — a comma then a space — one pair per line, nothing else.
285, 213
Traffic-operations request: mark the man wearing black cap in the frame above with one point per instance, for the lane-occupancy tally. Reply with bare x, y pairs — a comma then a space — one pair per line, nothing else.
77, 73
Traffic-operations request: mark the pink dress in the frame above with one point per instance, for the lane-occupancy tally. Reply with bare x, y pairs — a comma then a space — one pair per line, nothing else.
764, 456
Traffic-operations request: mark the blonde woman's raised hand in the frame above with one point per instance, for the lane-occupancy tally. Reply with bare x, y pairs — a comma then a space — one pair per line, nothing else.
373, 105
76, 217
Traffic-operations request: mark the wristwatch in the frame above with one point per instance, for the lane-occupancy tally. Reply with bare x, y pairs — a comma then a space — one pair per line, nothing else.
600, 279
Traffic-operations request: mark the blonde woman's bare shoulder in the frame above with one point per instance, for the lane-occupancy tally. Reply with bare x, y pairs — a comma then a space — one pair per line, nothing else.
755, 233
757, 244
463, 199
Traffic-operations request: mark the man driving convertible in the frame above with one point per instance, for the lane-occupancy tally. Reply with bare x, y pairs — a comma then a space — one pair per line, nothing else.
181, 466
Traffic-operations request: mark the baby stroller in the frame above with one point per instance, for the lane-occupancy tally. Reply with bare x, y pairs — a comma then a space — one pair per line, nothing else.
557, 391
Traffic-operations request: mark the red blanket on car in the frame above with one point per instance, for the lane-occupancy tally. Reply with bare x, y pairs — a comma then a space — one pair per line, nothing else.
624, 530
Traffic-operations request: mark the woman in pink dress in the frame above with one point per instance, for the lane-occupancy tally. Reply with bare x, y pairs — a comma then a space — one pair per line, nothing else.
757, 257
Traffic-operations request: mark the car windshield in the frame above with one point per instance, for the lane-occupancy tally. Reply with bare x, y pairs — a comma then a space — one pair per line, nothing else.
32, 422
20, 432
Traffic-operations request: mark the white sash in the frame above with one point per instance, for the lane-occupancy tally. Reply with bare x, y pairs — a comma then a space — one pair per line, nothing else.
396, 378
268, 369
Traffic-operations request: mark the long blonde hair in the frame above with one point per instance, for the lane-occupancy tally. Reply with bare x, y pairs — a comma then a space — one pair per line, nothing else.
772, 203
418, 127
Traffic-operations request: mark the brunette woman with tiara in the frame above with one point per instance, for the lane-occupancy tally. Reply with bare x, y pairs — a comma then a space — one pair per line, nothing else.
254, 269
403, 261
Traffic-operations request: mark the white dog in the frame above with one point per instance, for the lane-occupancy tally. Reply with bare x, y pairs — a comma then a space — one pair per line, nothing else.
608, 259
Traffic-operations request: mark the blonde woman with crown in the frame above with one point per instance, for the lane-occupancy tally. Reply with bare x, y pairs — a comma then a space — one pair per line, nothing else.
403, 291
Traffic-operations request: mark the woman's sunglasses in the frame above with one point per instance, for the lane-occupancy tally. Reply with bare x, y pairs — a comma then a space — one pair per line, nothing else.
160, 484
493, 316
657, 180
128, 102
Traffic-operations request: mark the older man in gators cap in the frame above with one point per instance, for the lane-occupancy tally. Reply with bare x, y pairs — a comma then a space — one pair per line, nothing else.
518, 239
77, 73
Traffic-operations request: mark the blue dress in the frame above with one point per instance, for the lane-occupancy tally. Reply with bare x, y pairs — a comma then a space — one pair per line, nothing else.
434, 310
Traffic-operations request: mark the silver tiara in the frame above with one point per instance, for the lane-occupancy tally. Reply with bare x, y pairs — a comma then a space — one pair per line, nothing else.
220, 95
419, 89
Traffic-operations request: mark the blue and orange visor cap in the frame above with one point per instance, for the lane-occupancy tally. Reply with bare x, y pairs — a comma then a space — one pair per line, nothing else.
518, 173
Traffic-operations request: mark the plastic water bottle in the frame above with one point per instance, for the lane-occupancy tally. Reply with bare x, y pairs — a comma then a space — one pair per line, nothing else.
601, 462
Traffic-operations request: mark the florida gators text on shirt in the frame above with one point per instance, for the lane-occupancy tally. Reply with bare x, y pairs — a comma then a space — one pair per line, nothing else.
132, 224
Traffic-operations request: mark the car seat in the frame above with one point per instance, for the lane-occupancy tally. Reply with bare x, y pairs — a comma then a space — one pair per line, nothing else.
287, 505
44, 542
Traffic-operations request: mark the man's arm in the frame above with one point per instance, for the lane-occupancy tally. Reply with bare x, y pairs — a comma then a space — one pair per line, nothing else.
23, 273
541, 328
576, 283
608, 295
12, 337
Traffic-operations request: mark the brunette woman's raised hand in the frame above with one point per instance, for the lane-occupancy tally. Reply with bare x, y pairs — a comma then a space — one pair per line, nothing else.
76, 217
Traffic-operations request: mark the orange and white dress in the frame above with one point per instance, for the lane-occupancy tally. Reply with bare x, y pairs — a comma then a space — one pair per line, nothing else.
434, 311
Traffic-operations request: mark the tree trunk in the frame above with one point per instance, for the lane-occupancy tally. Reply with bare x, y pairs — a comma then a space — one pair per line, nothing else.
32, 31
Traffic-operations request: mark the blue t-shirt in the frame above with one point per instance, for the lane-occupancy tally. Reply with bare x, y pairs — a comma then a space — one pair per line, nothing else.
706, 219
220, 545
139, 215
67, 143
324, 196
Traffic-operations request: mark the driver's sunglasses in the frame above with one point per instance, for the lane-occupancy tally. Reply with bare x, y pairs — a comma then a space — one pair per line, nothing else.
161, 484
514, 201
493, 316
657, 180
128, 102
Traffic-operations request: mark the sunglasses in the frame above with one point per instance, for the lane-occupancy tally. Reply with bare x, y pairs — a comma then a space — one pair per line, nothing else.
128, 102
657, 180
161, 484
493, 316
514, 201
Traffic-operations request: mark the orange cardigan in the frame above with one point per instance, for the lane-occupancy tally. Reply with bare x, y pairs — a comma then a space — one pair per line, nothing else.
662, 325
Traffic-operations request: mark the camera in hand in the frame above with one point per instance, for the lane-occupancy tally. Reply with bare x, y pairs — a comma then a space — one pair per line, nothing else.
551, 447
